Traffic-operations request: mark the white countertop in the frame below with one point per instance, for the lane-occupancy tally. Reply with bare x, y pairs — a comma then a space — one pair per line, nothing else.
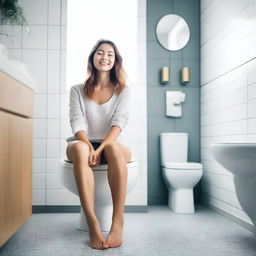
16, 69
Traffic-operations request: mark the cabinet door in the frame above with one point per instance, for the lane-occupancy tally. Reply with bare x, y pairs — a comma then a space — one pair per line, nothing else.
15, 173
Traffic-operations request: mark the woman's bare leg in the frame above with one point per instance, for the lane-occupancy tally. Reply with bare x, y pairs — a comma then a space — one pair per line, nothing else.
117, 156
78, 153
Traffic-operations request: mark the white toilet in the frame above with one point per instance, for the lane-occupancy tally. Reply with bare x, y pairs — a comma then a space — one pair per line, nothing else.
179, 175
102, 193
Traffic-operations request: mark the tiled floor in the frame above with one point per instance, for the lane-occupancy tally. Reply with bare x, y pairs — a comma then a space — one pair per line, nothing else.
158, 232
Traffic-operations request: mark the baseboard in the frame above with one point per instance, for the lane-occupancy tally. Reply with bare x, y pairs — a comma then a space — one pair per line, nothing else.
233, 218
76, 208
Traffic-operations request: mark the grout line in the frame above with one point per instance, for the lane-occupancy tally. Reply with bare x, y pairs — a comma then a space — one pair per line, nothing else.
47, 93
225, 73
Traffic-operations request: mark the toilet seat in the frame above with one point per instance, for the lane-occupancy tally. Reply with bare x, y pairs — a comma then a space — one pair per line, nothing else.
183, 166
101, 167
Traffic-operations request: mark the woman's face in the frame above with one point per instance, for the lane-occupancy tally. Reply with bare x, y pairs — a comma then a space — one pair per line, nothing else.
104, 58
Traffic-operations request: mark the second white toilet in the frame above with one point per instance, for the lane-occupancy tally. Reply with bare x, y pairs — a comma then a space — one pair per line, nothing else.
179, 175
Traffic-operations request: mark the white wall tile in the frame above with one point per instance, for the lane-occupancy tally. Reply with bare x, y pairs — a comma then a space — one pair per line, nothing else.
53, 71
64, 110
39, 106
252, 125
252, 91
38, 197
65, 129
39, 148
63, 37
39, 165
142, 8
61, 197
36, 60
252, 108
36, 38
63, 72
54, 37
53, 148
53, 181
63, 12
35, 11
38, 180
53, 128
39, 128
53, 165
141, 31
54, 17
53, 106
63, 147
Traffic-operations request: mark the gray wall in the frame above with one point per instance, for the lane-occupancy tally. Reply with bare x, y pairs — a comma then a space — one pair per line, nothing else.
158, 122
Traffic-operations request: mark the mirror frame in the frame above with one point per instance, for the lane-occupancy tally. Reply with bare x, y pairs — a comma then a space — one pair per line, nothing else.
182, 29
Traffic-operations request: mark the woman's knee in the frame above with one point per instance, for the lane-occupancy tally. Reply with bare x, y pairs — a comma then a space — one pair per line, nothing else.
112, 149
78, 150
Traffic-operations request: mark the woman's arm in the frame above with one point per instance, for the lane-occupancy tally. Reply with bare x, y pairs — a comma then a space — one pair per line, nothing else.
76, 117
81, 135
112, 135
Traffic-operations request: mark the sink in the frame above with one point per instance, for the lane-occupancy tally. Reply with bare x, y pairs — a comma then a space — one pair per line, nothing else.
240, 160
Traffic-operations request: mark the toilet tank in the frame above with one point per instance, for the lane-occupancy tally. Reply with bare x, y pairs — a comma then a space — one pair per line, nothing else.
173, 147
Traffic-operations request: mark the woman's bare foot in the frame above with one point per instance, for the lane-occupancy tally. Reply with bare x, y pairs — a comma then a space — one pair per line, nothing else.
114, 238
97, 239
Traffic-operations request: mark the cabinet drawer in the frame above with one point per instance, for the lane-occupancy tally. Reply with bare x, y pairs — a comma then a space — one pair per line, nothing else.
15, 97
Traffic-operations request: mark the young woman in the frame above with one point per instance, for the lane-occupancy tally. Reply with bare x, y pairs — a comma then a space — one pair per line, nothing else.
98, 114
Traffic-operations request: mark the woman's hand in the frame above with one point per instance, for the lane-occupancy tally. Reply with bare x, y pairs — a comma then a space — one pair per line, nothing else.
93, 157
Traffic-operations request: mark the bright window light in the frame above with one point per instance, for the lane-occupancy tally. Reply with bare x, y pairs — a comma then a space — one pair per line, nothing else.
89, 21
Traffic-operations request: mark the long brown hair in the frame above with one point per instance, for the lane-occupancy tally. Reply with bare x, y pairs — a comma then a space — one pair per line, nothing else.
117, 73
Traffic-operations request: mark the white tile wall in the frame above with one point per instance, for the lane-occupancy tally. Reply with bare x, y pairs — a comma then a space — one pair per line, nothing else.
43, 50
228, 91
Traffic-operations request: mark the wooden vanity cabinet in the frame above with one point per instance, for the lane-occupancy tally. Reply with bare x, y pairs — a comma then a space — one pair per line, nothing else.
16, 106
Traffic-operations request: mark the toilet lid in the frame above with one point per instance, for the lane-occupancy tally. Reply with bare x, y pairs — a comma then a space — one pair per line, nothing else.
188, 165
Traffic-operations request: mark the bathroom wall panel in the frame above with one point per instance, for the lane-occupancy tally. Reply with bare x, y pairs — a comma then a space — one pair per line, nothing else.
53, 70
227, 95
52, 165
35, 11
39, 148
36, 38
61, 197
53, 148
38, 197
53, 128
226, 207
36, 60
39, 128
53, 181
38, 165
38, 181
54, 12
251, 108
63, 62
157, 57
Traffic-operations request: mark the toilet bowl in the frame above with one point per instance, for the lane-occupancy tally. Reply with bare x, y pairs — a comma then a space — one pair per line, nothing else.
102, 193
179, 175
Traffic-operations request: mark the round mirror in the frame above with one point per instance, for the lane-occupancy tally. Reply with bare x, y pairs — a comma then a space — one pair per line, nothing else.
172, 32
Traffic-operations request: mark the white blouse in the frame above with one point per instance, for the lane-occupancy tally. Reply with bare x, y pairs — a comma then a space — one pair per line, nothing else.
97, 119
